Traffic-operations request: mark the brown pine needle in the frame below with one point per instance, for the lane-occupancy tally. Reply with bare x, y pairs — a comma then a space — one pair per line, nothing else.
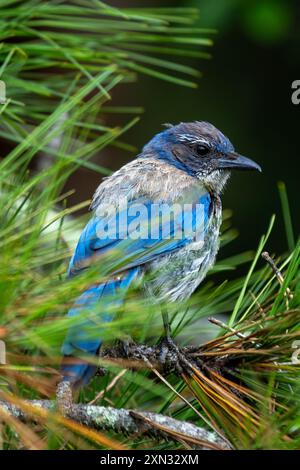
182, 397
109, 387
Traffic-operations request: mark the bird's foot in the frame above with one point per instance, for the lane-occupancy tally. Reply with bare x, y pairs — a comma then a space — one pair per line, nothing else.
170, 354
125, 345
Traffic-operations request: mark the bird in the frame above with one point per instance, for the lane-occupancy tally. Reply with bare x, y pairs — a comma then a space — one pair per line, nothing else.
187, 164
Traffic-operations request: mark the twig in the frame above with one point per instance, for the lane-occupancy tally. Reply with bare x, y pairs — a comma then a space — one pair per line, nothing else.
172, 427
232, 330
64, 398
217, 322
127, 422
265, 255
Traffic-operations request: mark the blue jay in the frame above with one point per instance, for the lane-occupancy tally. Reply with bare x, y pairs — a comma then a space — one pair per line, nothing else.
186, 162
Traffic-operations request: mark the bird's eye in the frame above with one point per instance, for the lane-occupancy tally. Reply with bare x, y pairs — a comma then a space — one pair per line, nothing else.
202, 150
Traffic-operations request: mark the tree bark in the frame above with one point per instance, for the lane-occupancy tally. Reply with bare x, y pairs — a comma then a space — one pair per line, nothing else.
128, 422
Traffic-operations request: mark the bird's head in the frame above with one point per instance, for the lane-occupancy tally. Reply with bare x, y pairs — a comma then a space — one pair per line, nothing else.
201, 150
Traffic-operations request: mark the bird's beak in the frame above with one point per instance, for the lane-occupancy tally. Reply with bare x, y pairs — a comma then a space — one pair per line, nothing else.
236, 161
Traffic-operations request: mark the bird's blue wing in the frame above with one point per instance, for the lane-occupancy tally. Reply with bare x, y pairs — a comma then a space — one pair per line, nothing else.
141, 232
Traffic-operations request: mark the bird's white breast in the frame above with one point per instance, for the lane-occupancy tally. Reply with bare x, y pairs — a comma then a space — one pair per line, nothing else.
178, 274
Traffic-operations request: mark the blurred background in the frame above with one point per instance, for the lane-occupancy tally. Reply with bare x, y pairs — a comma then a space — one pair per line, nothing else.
246, 92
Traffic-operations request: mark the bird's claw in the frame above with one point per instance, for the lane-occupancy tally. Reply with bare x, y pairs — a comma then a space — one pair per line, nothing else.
169, 354
125, 345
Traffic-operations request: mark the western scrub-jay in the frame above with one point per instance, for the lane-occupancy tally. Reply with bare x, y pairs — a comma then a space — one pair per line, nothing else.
184, 167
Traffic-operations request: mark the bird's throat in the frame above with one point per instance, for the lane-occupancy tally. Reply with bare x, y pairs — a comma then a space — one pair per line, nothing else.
216, 181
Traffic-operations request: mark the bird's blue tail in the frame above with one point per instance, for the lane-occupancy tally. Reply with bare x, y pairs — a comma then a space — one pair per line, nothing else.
92, 309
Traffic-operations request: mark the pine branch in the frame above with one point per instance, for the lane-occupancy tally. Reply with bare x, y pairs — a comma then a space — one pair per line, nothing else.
127, 422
